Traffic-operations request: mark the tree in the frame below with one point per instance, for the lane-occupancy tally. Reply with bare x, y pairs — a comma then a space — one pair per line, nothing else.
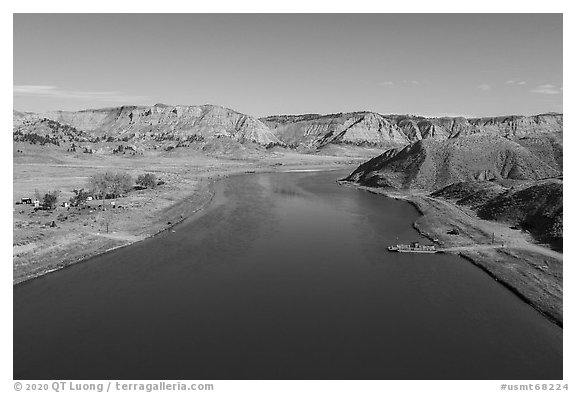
115, 184
80, 197
100, 183
147, 180
121, 183
51, 199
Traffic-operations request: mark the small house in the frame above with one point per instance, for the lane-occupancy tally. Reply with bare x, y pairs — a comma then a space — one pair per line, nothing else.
65, 204
26, 201
36, 203
89, 198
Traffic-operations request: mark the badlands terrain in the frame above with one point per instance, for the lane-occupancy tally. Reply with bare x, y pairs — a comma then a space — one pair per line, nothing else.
487, 181
491, 193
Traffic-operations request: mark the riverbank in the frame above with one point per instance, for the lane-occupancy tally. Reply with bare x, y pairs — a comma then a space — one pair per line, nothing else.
81, 234
512, 257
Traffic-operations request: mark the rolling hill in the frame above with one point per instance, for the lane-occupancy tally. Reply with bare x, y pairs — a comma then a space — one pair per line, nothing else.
430, 164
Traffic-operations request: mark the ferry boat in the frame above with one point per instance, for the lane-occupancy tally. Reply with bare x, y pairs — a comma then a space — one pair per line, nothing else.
414, 247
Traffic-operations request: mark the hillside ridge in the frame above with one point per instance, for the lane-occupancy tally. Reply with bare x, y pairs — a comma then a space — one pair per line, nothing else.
182, 123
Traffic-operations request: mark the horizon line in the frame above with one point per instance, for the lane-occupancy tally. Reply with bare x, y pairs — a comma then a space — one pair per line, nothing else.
438, 116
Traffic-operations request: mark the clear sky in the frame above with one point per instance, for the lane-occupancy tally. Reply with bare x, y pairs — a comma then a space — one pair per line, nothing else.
429, 64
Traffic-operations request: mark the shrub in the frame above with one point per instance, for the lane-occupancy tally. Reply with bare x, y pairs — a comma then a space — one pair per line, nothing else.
147, 180
50, 199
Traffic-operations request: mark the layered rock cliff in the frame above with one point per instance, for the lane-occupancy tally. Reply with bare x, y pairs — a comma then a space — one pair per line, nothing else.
354, 128
394, 130
208, 122
170, 122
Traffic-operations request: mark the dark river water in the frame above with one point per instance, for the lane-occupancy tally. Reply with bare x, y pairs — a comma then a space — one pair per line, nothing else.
285, 276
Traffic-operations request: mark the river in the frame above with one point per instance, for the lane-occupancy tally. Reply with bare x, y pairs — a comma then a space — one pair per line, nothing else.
284, 276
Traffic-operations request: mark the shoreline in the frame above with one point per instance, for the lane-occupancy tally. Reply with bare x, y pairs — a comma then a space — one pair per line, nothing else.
516, 266
206, 194
62, 266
